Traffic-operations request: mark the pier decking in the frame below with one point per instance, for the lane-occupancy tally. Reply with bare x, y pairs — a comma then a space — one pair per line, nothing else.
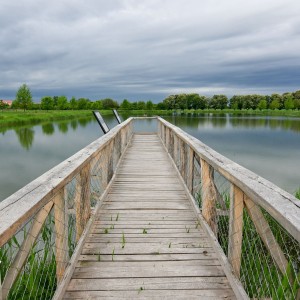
146, 241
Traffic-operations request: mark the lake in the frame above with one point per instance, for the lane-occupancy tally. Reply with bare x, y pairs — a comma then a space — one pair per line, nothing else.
268, 146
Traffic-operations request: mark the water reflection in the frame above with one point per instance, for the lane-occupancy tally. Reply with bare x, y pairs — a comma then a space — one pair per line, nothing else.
234, 121
63, 127
25, 136
48, 128
74, 124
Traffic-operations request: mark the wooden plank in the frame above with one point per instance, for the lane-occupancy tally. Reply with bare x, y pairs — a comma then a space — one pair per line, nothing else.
209, 211
61, 234
150, 257
236, 229
141, 293
128, 284
132, 249
152, 271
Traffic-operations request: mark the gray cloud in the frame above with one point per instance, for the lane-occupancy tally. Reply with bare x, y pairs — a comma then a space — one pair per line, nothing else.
148, 49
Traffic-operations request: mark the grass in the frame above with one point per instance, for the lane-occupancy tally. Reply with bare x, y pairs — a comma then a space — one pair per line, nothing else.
32, 117
37, 280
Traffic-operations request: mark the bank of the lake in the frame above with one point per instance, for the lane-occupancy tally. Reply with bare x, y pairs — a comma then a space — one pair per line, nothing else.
16, 118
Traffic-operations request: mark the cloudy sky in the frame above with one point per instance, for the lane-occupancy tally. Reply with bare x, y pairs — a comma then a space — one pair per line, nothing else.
148, 49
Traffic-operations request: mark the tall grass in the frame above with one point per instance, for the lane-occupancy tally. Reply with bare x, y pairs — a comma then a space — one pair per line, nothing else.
37, 280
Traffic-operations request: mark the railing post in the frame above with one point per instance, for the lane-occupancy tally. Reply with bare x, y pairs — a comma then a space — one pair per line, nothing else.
167, 143
175, 150
61, 233
82, 201
182, 158
190, 173
209, 210
236, 229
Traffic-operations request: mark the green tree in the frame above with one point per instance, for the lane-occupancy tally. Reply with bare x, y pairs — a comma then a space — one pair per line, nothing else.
47, 103
236, 102
289, 102
23, 97
73, 103
274, 104
125, 105
62, 103
218, 102
83, 103
141, 105
109, 103
3, 105
278, 99
262, 104
149, 105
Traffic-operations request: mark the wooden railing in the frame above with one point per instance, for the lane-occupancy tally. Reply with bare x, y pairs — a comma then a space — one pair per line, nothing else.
41, 224
256, 223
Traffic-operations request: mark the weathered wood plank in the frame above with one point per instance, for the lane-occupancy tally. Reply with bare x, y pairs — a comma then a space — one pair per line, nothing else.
141, 293
236, 229
129, 284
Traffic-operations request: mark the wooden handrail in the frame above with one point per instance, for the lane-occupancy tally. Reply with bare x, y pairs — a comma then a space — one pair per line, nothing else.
20, 207
281, 205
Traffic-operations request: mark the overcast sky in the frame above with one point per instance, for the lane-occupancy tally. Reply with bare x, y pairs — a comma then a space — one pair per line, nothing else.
148, 49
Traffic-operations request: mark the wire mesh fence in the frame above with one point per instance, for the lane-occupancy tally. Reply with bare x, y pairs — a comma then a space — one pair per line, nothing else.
33, 260
263, 255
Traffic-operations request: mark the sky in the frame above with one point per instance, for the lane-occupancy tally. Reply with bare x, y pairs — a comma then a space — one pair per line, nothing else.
149, 49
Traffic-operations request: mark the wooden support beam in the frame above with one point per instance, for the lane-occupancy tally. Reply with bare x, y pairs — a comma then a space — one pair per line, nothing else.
265, 232
190, 173
209, 211
236, 229
20, 259
61, 234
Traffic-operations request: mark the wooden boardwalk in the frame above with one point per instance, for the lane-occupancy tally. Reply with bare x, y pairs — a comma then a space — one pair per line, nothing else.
146, 241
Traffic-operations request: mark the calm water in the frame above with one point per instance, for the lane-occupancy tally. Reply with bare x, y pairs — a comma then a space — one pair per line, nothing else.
269, 146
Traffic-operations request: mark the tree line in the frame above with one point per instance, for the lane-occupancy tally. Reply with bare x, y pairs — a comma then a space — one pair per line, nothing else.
173, 102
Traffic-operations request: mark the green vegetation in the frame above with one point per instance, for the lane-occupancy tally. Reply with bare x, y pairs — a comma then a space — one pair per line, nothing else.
297, 194
23, 97
14, 118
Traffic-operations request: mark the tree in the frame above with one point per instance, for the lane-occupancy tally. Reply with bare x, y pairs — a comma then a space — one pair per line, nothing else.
23, 97
73, 103
83, 103
289, 102
262, 104
274, 104
149, 105
47, 103
125, 105
3, 105
109, 103
218, 102
62, 103
141, 105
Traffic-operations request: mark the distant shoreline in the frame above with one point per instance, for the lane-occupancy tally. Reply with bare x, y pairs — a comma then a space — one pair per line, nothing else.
19, 117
